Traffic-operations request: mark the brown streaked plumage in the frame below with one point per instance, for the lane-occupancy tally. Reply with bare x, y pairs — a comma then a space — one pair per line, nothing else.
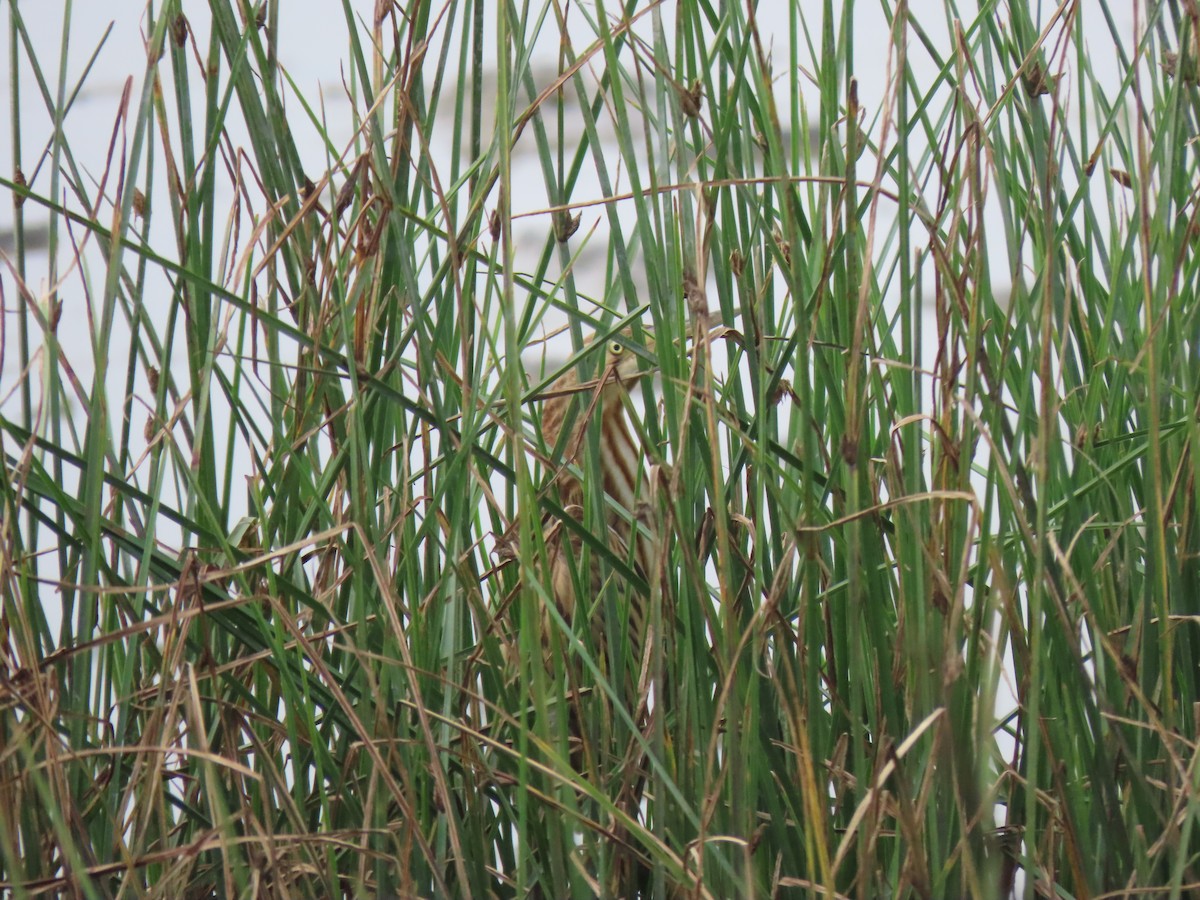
621, 461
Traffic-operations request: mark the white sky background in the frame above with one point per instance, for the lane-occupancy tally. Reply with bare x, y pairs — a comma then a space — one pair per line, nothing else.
312, 49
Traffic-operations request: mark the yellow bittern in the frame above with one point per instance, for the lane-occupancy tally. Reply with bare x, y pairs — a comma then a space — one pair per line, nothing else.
621, 457
571, 408
570, 403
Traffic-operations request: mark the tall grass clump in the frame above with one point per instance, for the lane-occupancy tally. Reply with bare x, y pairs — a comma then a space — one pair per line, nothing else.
922, 284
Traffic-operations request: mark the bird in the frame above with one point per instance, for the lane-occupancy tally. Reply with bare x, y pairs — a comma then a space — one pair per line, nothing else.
576, 574
569, 408
623, 466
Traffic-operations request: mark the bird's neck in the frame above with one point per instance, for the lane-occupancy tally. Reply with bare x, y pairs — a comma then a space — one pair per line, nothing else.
619, 453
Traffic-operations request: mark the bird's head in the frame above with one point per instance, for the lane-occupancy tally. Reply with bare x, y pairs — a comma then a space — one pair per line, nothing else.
626, 358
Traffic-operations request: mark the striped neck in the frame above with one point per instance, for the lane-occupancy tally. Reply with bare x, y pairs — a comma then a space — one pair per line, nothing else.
620, 454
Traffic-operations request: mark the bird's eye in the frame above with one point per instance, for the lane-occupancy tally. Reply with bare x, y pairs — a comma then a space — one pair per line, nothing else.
616, 349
